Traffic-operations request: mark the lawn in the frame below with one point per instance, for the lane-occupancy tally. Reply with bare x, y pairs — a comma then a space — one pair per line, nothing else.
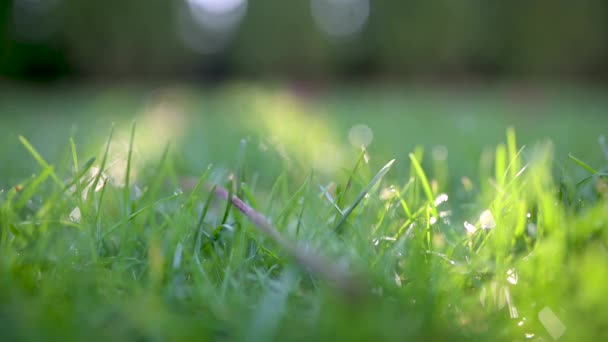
491, 223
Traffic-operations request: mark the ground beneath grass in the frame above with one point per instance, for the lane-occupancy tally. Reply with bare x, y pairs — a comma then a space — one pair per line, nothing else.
490, 223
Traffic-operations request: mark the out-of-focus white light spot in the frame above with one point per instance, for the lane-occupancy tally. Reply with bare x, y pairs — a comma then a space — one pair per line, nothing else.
206, 26
387, 193
487, 220
445, 213
512, 276
75, 215
552, 323
217, 7
469, 227
340, 18
137, 192
218, 15
440, 153
441, 199
433, 220
360, 135
397, 280
529, 335
388, 238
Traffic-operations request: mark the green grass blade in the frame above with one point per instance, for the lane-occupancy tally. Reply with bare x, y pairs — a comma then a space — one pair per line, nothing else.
582, 164
78, 177
127, 185
301, 214
32, 187
514, 161
30, 148
228, 203
248, 194
500, 165
157, 180
426, 187
140, 211
240, 168
290, 205
201, 180
362, 194
342, 196
127, 190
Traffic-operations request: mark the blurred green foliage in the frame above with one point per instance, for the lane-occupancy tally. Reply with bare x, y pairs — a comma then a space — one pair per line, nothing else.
136, 37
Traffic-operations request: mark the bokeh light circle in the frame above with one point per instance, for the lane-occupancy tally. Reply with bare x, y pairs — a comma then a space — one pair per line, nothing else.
360, 135
340, 18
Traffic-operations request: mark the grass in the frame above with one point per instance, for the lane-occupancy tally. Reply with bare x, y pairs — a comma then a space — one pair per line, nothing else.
260, 221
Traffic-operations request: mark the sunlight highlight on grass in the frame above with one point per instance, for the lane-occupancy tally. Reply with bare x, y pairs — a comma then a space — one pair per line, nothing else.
290, 127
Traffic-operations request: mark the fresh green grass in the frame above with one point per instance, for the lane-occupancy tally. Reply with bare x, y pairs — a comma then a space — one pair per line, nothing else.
491, 223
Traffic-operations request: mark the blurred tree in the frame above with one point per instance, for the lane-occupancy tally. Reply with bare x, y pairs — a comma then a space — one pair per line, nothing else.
45, 39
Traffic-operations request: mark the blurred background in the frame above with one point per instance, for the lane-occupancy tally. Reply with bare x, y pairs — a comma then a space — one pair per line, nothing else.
305, 82
210, 40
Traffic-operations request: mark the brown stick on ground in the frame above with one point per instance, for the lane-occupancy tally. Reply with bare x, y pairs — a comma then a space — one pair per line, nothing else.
343, 280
